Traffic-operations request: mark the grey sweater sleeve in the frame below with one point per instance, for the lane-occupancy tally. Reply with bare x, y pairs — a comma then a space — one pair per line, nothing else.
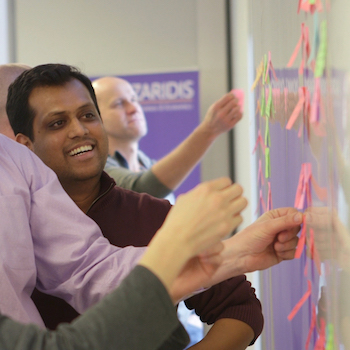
144, 181
139, 314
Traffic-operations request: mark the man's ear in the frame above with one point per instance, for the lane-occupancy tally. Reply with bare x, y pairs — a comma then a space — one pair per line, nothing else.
25, 140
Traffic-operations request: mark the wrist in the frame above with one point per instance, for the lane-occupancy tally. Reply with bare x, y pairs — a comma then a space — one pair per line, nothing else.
207, 131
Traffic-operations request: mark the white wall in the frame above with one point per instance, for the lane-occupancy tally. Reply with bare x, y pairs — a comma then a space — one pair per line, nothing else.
134, 36
4, 33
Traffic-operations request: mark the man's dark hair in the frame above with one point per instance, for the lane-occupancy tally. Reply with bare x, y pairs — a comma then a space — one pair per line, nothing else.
20, 114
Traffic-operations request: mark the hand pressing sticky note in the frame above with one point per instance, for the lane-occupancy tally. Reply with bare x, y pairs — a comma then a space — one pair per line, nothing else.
239, 93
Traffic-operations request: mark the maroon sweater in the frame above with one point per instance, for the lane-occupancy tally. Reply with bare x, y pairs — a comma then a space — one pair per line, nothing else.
129, 218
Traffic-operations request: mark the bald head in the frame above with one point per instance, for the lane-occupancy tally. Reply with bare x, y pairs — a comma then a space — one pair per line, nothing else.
122, 115
105, 86
8, 74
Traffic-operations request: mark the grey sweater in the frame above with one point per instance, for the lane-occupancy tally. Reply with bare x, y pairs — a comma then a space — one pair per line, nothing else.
138, 315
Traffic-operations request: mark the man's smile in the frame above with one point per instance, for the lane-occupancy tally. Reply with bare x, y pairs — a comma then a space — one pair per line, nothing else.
80, 150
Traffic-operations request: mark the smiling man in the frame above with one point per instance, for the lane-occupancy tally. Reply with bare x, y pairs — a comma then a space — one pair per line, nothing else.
68, 137
53, 111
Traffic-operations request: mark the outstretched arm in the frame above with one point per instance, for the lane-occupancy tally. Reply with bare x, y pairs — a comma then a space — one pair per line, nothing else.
191, 235
170, 171
268, 241
221, 116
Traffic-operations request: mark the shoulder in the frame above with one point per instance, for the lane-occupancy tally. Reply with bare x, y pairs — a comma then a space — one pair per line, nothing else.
145, 159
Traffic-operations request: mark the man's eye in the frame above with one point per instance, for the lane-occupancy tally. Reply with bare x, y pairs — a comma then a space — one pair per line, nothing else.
56, 124
89, 115
118, 104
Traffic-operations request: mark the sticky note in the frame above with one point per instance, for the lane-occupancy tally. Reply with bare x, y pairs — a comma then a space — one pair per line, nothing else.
312, 326
260, 141
259, 72
300, 302
262, 202
267, 163
297, 47
239, 93
322, 51
302, 241
267, 134
294, 116
269, 205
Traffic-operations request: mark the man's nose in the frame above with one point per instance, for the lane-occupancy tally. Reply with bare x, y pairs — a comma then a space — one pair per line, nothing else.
77, 129
130, 107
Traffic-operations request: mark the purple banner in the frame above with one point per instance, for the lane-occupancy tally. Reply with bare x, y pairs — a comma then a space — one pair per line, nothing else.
171, 105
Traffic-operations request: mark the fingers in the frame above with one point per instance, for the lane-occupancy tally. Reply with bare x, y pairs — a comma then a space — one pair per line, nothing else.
237, 205
286, 222
287, 235
227, 191
232, 192
286, 246
228, 106
286, 255
277, 213
218, 184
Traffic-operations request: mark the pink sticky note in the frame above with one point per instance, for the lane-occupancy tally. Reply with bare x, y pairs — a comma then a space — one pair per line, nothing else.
262, 202
312, 327
301, 242
297, 47
269, 198
240, 96
297, 110
300, 302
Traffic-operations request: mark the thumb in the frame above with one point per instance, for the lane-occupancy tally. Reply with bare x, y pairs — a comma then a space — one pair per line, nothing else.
283, 223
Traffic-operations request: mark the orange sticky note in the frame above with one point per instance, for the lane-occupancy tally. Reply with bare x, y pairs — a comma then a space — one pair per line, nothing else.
240, 96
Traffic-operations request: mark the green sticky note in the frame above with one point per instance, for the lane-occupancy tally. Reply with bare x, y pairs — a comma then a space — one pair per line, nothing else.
330, 337
322, 51
263, 102
265, 69
269, 103
267, 163
267, 134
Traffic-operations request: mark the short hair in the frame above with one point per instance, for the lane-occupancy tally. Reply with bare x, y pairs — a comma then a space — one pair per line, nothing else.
20, 114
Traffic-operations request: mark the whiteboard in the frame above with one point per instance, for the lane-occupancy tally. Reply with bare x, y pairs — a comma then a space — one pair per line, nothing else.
302, 130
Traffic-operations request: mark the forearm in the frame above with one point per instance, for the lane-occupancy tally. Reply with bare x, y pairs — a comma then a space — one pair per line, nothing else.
232, 263
139, 306
221, 117
226, 334
173, 169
